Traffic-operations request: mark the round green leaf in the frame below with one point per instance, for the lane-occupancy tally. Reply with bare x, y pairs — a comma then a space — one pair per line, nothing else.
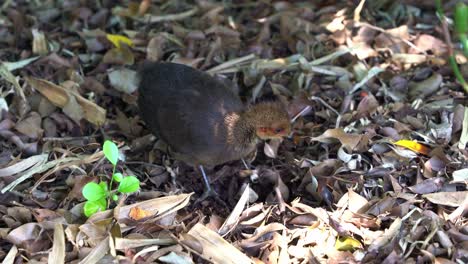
117, 177
91, 207
93, 191
129, 184
104, 186
111, 151
115, 197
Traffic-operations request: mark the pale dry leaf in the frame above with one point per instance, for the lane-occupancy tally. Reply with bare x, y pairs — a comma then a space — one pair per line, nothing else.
73, 110
409, 58
270, 150
10, 257
374, 71
124, 243
425, 42
351, 142
464, 134
233, 218
11, 66
3, 106
389, 234
158, 207
354, 201
57, 255
39, 45
428, 186
460, 175
367, 106
97, 253
30, 126
121, 56
174, 258
23, 165
60, 97
453, 199
9, 77
426, 87
215, 248
155, 48
124, 80
28, 231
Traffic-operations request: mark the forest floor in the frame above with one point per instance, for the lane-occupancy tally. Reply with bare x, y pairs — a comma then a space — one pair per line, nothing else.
375, 171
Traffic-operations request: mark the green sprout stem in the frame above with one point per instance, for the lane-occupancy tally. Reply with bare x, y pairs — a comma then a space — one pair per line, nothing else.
109, 197
452, 61
464, 42
457, 73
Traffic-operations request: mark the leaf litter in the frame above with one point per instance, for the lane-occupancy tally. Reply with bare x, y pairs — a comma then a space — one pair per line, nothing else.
375, 169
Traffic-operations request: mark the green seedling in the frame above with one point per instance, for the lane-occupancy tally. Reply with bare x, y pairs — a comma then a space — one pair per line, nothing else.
461, 29
461, 25
98, 195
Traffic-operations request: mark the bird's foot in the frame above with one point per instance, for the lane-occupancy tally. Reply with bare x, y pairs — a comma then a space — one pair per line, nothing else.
210, 193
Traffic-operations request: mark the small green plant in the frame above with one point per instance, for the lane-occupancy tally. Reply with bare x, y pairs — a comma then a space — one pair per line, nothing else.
461, 25
99, 194
461, 29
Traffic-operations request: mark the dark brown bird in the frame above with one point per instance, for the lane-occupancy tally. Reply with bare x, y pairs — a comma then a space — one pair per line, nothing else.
203, 121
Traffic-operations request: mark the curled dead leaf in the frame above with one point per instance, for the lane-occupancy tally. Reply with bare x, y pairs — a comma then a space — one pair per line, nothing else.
61, 97
351, 142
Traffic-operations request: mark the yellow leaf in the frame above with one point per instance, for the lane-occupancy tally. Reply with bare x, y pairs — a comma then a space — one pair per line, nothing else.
414, 146
347, 244
117, 39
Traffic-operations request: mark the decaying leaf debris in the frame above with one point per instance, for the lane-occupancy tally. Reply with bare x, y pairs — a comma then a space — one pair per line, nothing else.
374, 171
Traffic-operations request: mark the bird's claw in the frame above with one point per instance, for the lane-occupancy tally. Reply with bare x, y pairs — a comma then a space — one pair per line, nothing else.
210, 193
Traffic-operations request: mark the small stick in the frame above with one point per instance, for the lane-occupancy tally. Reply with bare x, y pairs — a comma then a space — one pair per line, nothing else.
338, 119
62, 139
171, 17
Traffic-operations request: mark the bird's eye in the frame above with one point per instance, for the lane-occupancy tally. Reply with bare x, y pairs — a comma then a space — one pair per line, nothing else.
279, 130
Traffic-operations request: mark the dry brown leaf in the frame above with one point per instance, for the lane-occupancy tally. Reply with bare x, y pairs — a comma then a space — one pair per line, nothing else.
10, 257
367, 106
73, 110
123, 80
124, 243
428, 186
155, 48
122, 56
233, 218
159, 207
351, 142
30, 126
271, 149
57, 255
61, 97
28, 231
393, 39
453, 199
426, 87
97, 253
39, 45
23, 165
215, 248
426, 42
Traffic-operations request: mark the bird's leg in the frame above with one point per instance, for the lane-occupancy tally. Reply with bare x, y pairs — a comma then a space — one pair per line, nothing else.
209, 192
245, 164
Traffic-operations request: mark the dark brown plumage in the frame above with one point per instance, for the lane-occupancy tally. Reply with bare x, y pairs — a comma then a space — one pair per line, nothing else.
200, 119
203, 122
